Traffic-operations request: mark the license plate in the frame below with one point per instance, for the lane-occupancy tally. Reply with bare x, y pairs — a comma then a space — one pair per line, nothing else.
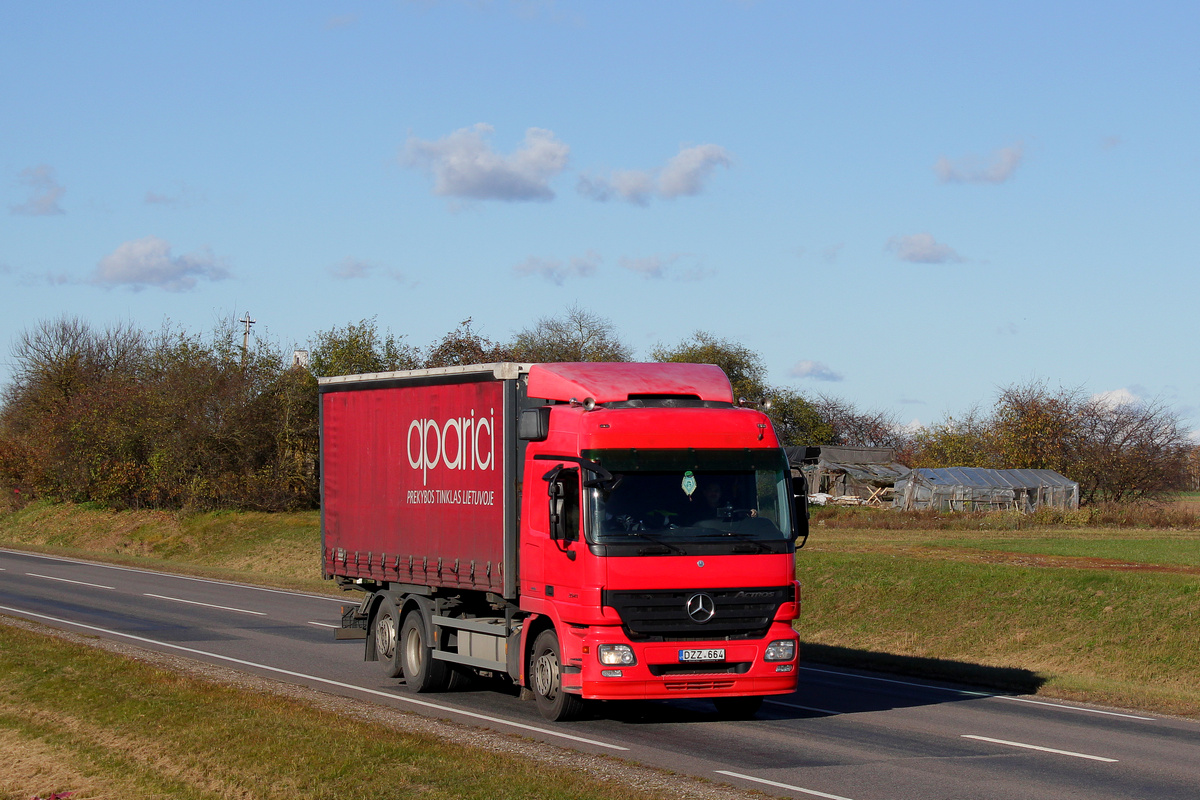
716, 654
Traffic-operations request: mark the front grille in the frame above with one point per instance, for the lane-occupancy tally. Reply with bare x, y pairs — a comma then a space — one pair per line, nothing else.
723, 668
662, 615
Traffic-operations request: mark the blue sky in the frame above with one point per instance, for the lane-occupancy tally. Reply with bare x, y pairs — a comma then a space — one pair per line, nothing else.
905, 205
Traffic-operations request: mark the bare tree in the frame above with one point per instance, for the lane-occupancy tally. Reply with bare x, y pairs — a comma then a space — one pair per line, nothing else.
578, 335
1129, 451
854, 428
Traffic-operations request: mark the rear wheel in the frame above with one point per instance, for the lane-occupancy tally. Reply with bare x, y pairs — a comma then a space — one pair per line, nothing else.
737, 707
545, 668
387, 639
422, 673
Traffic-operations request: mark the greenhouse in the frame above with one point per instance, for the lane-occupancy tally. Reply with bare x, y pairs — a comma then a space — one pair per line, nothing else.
977, 489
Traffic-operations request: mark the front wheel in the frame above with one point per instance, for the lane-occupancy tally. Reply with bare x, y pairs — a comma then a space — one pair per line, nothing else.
545, 667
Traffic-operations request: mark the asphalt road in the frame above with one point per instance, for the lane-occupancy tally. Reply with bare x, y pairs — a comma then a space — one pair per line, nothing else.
844, 734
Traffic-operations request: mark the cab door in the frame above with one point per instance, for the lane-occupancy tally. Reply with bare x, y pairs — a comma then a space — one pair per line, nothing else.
564, 552
550, 554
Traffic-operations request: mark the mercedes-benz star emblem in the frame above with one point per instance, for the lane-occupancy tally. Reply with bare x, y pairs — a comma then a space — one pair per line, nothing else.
700, 607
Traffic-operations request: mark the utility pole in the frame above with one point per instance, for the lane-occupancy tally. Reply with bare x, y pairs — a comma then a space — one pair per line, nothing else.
246, 336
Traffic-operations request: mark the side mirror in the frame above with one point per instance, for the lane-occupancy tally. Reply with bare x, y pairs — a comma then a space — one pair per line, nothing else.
800, 509
534, 424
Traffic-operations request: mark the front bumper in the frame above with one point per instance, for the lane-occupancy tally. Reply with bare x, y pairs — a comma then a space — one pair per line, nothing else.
659, 673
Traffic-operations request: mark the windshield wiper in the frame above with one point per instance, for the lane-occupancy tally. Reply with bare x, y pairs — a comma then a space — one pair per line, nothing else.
662, 548
753, 541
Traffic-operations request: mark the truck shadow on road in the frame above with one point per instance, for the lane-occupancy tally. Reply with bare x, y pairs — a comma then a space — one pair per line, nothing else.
836, 681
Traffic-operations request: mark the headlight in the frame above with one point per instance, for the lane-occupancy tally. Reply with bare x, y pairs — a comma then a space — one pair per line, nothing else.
781, 650
620, 655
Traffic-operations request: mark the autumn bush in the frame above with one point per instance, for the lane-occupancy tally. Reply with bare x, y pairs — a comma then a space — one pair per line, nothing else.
129, 419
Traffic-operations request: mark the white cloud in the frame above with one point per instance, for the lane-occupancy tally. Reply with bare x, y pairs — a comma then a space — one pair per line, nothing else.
350, 268
630, 185
44, 192
557, 271
814, 370
973, 169
650, 267
181, 197
1116, 398
148, 262
922, 248
464, 165
680, 267
685, 174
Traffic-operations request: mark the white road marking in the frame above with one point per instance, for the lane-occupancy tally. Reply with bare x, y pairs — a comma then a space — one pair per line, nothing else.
390, 696
64, 580
1069, 708
982, 695
206, 605
805, 708
325, 624
787, 786
176, 576
1042, 749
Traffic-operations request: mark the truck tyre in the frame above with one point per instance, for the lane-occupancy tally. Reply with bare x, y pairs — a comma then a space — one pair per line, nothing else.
421, 672
387, 639
545, 670
737, 707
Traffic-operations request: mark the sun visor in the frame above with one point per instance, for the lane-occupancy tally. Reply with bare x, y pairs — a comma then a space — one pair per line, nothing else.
607, 382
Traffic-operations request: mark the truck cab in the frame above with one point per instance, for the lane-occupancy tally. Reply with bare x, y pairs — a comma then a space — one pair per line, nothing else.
659, 540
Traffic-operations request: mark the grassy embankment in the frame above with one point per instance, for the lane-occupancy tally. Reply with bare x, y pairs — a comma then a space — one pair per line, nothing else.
1093, 606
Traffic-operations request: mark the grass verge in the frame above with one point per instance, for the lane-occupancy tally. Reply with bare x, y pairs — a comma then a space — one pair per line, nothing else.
1073, 618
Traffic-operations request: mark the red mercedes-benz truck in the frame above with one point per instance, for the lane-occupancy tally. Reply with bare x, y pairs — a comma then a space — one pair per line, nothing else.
592, 531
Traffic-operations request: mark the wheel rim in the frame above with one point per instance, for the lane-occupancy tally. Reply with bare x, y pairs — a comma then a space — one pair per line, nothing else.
413, 650
385, 635
546, 674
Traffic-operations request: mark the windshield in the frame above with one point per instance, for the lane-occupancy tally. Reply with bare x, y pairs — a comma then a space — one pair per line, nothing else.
667, 497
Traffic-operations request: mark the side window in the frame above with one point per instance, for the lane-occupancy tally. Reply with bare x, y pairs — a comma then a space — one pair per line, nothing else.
564, 505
